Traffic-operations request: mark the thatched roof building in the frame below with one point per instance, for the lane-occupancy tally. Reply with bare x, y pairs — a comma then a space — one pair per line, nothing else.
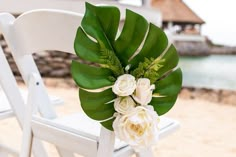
183, 24
176, 11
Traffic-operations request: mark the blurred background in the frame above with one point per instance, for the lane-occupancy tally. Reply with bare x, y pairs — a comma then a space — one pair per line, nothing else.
203, 32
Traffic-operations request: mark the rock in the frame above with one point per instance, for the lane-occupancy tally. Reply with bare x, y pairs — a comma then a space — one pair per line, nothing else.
58, 53
60, 73
44, 54
1, 36
41, 62
223, 50
7, 50
228, 97
211, 95
187, 48
185, 93
3, 43
218, 96
10, 60
49, 60
58, 59
56, 65
45, 70
72, 56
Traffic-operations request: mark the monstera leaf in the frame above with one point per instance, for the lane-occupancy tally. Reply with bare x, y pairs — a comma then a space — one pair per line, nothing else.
141, 47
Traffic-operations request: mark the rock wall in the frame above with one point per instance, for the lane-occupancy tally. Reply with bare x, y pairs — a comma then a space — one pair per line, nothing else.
50, 64
202, 49
218, 96
192, 48
55, 64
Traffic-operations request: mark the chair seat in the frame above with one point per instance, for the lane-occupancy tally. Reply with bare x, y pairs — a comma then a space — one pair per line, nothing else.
80, 124
5, 108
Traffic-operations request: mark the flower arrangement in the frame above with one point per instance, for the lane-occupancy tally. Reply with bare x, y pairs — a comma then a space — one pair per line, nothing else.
132, 78
136, 122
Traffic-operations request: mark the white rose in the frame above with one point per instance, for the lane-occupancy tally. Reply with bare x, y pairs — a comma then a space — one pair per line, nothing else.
124, 105
124, 85
143, 92
138, 128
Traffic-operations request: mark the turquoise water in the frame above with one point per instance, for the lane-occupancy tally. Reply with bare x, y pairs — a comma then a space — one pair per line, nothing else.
214, 71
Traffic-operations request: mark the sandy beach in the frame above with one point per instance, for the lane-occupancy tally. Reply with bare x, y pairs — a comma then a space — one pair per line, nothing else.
207, 128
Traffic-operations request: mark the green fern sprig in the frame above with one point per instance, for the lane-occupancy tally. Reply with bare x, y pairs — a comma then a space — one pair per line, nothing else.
110, 61
152, 71
149, 69
142, 67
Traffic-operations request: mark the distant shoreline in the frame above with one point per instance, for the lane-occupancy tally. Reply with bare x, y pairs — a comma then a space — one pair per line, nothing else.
203, 49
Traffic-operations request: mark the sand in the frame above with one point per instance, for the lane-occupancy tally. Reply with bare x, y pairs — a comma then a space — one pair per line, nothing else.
207, 128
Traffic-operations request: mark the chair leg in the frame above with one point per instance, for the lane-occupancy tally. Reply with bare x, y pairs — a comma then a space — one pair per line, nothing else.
26, 146
38, 148
106, 143
145, 153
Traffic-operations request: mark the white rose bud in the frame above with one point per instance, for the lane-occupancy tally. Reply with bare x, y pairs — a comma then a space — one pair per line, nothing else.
124, 85
143, 92
124, 105
138, 128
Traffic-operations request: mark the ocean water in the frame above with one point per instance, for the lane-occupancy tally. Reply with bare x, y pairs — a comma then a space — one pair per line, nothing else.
214, 71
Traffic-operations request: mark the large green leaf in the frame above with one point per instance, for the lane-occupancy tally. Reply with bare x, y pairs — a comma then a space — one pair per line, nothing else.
171, 60
90, 77
131, 37
155, 44
167, 91
98, 106
141, 45
86, 48
101, 23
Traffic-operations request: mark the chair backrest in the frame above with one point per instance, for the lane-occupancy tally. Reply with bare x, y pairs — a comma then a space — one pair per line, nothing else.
37, 31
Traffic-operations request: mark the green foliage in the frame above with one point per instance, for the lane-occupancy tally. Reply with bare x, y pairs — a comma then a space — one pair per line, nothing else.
131, 37
148, 69
168, 89
89, 77
98, 106
97, 41
109, 60
155, 44
152, 71
142, 67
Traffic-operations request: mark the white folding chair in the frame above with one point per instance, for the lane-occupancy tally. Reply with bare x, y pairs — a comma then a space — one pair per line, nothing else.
15, 100
12, 101
40, 30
